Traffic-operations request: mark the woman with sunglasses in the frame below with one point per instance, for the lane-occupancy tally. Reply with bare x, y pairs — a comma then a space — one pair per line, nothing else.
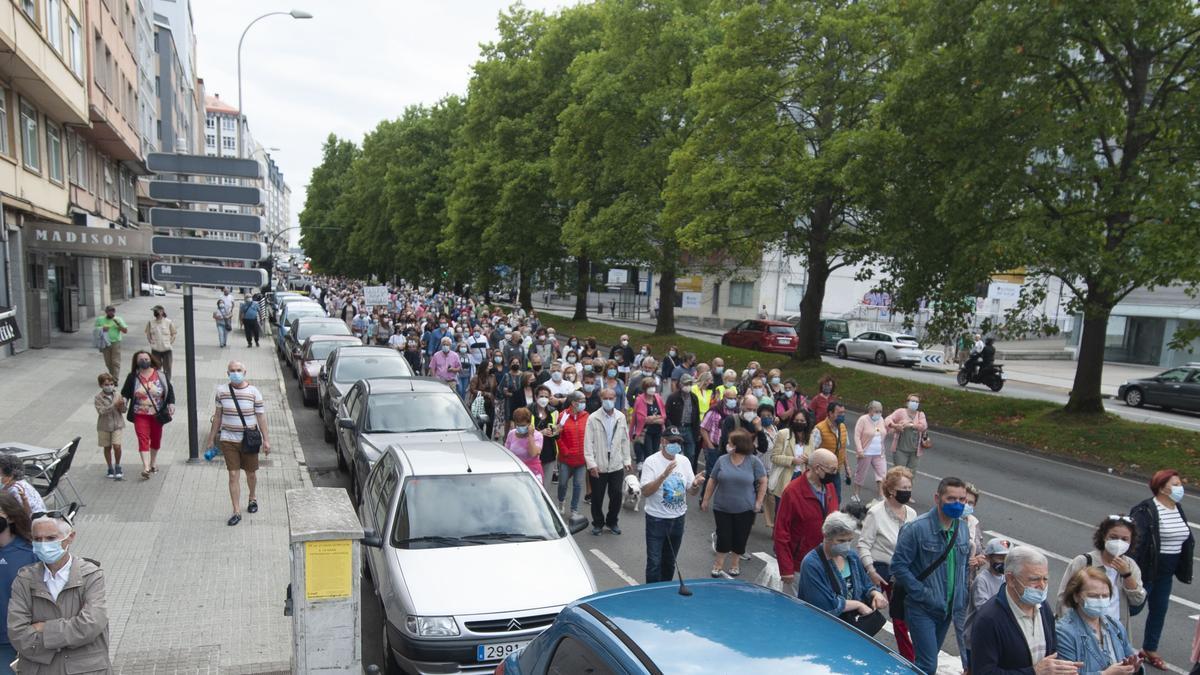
1115, 536
1163, 552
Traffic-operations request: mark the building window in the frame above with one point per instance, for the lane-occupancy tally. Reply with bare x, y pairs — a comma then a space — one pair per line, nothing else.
30, 9
54, 24
54, 153
227, 124
210, 122
29, 137
229, 142
76, 160
741, 294
792, 295
210, 140
5, 148
75, 38
109, 192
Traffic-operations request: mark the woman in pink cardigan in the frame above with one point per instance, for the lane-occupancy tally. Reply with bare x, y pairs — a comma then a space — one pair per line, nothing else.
648, 416
525, 442
908, 426
869, 433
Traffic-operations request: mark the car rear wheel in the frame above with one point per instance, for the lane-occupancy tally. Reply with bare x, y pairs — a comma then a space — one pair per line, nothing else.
880, 358
329, 437
1134, 398
841, 352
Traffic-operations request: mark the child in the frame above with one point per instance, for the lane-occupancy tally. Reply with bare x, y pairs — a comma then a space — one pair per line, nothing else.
986, 584
110, 420
525, 442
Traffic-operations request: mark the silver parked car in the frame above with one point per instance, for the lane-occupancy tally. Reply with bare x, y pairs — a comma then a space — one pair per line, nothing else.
882, 347
457, 532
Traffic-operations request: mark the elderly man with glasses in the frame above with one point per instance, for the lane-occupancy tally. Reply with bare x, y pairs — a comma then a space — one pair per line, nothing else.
57, 619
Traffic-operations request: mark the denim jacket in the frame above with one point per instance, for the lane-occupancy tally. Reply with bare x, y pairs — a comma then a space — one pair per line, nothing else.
920, 542
1077, 642
816, 590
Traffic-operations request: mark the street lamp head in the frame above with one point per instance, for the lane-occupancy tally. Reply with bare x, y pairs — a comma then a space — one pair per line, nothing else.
300, 14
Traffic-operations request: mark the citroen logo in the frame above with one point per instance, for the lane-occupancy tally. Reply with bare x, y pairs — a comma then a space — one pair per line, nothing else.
514, 625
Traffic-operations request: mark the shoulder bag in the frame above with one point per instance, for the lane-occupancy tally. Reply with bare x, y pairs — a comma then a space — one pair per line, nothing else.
160, 412
251, 438
896, 606
869, 624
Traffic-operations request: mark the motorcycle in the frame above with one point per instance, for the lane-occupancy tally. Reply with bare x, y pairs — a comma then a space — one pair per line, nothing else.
992, 376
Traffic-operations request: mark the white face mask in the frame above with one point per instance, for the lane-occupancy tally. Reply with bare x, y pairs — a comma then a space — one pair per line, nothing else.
1116, 547
749, 415
543, 401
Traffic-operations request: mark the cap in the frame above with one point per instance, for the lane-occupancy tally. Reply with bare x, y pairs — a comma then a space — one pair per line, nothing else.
996, 546
673, 432
112, 307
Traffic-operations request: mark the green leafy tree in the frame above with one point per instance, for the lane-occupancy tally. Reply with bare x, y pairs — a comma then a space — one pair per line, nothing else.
780, 101
321, 233
1062, 136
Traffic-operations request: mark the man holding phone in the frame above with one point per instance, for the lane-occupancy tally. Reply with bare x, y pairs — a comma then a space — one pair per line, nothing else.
666, 476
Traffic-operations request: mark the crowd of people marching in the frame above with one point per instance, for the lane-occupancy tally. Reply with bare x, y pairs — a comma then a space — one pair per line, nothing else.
598, 422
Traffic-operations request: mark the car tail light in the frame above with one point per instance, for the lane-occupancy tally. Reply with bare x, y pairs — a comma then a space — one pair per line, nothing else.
307, 378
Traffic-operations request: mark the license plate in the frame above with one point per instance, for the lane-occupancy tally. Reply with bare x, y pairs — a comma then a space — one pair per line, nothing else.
1003, 376
497, 651
785, 341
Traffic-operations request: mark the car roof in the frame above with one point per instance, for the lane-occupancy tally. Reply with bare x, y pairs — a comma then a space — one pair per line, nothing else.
366, 350
678, 632
317, 320
321, 337
407, 385
444, 455
772, 322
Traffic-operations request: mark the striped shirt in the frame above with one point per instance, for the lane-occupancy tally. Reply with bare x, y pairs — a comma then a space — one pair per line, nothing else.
1172, 531
249, 400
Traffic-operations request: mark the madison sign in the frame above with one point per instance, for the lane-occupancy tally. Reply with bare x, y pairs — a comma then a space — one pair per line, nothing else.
93, 241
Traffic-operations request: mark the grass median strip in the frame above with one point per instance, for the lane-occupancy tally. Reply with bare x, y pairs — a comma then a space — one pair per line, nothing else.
1104, 440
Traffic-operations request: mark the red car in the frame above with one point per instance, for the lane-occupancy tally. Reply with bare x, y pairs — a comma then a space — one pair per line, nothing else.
312, 357
765, 336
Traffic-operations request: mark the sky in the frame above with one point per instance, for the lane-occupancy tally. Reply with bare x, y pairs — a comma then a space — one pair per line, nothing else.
355, 63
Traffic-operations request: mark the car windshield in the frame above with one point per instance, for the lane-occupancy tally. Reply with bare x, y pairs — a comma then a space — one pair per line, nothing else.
317, 351
358, 367
1174, 375
782, 330
473, 510
403, 413
294, 313
906, 340
331, 327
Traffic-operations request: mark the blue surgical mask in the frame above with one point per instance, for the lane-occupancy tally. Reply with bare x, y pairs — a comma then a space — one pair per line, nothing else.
1033, 596
731, 403
953, 509
1177, 494
719, 370
612, 372
523, 430
608, 404
49, 552
589, 388
841, 548
840, 419
672, 449
968, 510
913, 405
1095, 607
774, 380
768, 421
875, 417
237, 377
445, 349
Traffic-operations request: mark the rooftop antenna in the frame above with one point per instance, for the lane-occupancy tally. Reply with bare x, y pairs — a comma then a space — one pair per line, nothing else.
683, 589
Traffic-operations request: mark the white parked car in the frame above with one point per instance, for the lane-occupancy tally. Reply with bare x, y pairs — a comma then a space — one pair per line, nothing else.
882, 347
153, 289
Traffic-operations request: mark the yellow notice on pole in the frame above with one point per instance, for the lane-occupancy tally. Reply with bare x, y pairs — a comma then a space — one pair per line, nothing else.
327, 568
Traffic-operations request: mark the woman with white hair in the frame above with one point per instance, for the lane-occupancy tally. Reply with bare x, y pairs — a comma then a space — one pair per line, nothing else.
832, 577
869, 433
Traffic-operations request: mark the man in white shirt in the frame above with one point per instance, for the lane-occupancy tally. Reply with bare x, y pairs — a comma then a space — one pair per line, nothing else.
664, 481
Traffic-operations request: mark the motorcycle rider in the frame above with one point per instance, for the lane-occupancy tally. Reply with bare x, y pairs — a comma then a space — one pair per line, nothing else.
972, 365
987, 356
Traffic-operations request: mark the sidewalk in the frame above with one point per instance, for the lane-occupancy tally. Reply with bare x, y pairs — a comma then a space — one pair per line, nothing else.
185, 591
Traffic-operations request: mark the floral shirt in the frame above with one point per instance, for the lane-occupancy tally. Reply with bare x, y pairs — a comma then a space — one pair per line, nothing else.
148, 395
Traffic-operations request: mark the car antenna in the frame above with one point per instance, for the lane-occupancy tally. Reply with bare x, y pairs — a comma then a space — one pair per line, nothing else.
464, 454
683, 589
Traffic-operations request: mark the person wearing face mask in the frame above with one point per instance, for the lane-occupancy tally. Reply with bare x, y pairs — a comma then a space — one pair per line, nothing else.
735, 489
877, 543
12, 482
541, 374
591, 392
646, 371
160, 333
558, 385
666, 480
826, 388
985, 586
789, 456
786, 401
240, 408
1164, 552
434, 341
683, 413
747, 419
57, 616
1087, 633
16, 551
613, 381
412, 353
248, 314
702, 388
483, 399
869, 433
803, 507
151, 401
608, 454
466, 370
711, 424
109, 329
572, 465
929, 565
445, 363
1014, 631
908, 427
525, 442
670, 362
110, 423
545, 420
831, 434
1116, 536
649, 414
590, 351
643, 352
729, 378
833, 579
622, 349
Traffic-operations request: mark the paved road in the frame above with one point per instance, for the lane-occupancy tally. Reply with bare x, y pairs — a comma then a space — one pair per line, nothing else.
1050, 504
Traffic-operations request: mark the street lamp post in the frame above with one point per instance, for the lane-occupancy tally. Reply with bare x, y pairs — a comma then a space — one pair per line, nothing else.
295, 14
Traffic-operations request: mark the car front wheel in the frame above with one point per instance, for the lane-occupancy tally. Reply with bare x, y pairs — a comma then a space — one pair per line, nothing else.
841, 352
1134, 398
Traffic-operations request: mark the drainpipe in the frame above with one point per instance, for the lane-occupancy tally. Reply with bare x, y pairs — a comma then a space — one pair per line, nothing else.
7, 270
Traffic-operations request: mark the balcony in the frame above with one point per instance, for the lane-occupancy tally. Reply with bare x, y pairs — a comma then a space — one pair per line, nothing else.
37, 71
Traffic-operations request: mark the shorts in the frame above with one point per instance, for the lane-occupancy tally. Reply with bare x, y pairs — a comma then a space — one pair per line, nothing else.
149, 432
107, 438
235, 459
865, 464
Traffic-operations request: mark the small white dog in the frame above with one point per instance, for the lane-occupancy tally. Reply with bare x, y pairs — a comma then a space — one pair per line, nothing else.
633, 492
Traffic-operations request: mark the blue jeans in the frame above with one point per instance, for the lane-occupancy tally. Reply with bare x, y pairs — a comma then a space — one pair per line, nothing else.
464, 382
664, 536
927, 633
649, 445
576, 475
710, 460
689, 446
221, 333
1158, 599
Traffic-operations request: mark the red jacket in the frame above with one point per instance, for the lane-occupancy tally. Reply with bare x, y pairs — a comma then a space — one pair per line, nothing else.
570, 438
798, 522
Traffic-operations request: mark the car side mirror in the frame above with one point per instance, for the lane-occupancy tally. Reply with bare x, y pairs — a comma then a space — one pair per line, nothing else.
577, 524
346, 423
321, 375
371, 539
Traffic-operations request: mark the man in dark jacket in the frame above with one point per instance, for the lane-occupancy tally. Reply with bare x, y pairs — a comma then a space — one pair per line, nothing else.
1014, 631
683, 411
747, 418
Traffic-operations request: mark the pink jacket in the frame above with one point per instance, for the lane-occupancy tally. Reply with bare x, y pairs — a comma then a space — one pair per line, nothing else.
532, 456
864, 431
640, 411
897, 420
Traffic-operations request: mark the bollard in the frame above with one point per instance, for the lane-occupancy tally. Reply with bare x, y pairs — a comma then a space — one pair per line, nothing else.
323, 532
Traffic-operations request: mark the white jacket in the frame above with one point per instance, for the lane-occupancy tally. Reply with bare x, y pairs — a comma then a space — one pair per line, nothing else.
161, 334
596, 450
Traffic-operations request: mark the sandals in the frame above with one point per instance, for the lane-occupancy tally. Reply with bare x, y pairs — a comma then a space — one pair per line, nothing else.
716, 572
735, 572
234, 519
145, 475
1153, 659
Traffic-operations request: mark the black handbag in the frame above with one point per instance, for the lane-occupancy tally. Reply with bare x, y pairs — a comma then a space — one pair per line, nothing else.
896, 606
251, 438
161, 413
871, 623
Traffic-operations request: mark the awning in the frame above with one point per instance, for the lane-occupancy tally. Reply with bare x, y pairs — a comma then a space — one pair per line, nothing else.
9, 331
96, 242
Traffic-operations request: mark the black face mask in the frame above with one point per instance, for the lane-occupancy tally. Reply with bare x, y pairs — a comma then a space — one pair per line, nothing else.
997, 567
903, 496
829, 478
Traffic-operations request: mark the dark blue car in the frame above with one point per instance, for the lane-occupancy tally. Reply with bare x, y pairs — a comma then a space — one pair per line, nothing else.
723, 627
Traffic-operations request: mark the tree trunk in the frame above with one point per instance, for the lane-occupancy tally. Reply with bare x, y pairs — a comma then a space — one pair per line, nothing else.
583, 268
809, 329
524, 293
1089, 366
666, 301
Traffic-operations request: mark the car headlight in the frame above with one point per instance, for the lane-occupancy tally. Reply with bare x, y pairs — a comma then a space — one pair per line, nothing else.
432, 626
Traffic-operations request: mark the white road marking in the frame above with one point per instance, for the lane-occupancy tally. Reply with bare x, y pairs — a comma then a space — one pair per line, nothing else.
612, 565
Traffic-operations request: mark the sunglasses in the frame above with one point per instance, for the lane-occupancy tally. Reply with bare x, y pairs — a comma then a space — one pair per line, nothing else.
57, 515
1123, 519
